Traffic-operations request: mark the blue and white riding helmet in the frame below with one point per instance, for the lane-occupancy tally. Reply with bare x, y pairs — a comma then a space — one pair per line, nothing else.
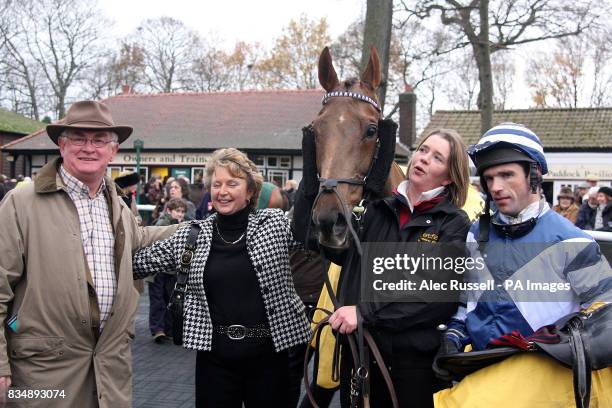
508, 143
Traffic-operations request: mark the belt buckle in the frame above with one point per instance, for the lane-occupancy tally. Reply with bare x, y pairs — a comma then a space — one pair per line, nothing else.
236, 332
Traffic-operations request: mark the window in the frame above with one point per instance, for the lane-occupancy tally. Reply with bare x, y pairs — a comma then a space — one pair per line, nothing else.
113, 171
197, 175
272, 161
258, 160
285, 162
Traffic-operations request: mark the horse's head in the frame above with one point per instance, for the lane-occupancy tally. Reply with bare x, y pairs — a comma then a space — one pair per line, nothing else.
346, 139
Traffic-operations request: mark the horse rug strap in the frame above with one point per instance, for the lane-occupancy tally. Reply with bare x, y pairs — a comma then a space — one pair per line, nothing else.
310, 181
177, 299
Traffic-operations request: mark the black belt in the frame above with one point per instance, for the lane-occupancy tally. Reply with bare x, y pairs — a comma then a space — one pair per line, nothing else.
239, 332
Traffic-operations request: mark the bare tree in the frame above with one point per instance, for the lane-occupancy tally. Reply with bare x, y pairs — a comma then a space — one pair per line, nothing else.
575, 73
63, 37
601, 57
216, 70
22, 76
209, 72
346, 50
292, 62
101, 81
557, 78
412, 66
128, 67
461, 85
504, 72
168, 47
488, 26
241, 62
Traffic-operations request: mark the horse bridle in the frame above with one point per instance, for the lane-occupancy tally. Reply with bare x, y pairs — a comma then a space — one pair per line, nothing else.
329, 185
359, 382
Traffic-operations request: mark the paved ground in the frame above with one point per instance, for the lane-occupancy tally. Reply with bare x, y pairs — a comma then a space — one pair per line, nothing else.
163, 373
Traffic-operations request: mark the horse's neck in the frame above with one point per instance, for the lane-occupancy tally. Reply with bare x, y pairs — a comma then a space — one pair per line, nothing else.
396, 176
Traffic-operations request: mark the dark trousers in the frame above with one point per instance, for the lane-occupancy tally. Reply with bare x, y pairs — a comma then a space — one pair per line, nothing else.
411, 373
160, 290
260, 381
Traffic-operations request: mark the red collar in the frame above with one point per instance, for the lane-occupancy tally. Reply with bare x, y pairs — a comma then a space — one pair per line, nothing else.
405, 216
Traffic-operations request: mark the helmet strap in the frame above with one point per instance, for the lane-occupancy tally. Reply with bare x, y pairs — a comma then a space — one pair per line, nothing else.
484, 224
535, 180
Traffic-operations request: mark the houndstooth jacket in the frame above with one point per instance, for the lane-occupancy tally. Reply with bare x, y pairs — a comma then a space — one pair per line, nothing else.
269, 240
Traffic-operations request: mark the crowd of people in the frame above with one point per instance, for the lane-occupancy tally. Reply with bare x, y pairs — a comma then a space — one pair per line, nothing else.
72, 245
7, 184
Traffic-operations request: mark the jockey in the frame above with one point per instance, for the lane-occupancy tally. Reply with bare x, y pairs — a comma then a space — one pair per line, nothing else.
537, 245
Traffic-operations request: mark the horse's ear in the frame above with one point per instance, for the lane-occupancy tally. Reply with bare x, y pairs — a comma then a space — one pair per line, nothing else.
371, 75
327, 74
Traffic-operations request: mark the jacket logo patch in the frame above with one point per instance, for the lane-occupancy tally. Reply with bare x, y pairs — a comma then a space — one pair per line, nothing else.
428, 237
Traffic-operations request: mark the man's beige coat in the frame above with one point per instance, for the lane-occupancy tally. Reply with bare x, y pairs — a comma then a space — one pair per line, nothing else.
45, 281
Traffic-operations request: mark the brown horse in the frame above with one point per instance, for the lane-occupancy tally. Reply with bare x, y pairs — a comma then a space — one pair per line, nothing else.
346, 138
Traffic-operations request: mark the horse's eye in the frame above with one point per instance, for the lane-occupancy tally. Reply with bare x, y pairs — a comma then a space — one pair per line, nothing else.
371, 131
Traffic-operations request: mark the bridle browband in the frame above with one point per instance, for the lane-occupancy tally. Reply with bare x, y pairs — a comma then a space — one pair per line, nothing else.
354, 95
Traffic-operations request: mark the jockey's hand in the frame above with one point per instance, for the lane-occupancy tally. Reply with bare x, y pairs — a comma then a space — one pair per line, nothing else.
5, 383
447, 346
344, 320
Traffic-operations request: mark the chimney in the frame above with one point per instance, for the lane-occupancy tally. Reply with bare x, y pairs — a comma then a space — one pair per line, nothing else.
126, 89
407, 120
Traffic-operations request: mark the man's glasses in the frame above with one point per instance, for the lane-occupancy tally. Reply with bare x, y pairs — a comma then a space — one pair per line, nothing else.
82, 140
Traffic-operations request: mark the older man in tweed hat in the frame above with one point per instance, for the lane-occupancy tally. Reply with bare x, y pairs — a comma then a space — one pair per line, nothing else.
67, 299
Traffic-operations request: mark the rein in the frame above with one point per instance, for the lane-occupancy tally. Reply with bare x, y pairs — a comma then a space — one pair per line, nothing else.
360, 380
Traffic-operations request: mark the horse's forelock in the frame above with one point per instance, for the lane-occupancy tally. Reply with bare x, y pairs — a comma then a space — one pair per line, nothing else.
349, 83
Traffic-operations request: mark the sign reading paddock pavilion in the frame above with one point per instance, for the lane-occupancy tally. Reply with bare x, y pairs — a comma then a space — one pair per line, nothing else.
579, 171
162, 159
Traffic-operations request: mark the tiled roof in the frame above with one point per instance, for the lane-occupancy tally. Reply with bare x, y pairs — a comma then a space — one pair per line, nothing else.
559, 129
12, 122
246, 120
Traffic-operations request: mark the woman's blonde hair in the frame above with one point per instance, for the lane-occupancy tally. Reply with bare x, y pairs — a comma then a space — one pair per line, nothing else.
458, 165
238, 165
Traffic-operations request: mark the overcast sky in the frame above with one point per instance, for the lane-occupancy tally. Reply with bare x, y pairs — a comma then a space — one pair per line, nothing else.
232, 20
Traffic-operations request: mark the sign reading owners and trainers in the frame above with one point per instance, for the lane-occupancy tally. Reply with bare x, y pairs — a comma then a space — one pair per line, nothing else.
162, 158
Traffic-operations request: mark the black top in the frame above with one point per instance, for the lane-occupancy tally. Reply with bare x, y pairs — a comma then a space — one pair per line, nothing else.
232, 288
396, 326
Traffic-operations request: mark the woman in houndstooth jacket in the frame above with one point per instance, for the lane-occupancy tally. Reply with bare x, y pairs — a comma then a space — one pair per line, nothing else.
241, 310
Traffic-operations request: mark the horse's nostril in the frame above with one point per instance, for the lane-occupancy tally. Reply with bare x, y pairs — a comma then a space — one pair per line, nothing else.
340, 225
326, 223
